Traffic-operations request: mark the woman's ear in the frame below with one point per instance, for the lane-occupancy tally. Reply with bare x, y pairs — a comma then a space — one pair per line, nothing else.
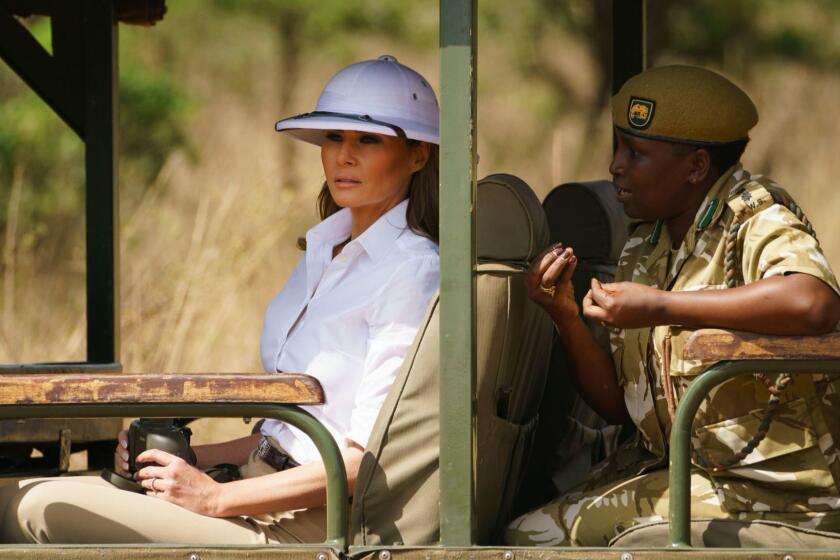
419, 156
700, 166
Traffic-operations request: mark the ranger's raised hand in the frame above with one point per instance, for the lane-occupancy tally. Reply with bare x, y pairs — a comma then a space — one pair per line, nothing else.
549, 282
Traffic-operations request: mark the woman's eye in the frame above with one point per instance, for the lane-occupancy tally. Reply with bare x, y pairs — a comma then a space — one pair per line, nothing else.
369, 139
333, 137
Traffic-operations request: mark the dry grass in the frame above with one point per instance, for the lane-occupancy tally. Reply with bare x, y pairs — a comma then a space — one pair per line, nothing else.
212, 241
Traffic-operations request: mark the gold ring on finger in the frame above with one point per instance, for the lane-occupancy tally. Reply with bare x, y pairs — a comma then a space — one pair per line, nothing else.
550, 290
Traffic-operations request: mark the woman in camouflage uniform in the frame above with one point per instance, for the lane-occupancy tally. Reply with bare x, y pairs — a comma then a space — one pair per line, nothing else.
680, 133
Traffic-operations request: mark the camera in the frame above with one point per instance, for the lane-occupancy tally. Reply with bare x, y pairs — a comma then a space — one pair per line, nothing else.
166, 434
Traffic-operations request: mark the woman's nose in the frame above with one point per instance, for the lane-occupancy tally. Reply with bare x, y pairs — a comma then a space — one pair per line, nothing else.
347, 153
617, 163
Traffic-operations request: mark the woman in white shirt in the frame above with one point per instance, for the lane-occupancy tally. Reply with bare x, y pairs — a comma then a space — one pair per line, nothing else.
347, 316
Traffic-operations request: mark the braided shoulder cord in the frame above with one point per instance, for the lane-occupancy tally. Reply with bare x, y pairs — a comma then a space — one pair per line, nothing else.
783, 380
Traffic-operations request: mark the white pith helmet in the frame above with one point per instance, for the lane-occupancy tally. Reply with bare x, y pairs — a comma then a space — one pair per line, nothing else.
380, 96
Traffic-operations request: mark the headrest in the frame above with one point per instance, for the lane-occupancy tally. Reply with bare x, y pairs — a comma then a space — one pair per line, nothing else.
510, 223
588, 217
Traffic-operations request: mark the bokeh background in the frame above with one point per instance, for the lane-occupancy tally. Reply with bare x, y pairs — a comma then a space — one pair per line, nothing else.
212, 199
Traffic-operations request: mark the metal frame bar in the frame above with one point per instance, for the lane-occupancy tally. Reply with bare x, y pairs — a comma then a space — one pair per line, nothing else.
337, 493
101, 192
457, 264
628, 40
84, 35
679, 508
29, 60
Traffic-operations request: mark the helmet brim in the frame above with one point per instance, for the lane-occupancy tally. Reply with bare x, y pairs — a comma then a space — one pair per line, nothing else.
311, 129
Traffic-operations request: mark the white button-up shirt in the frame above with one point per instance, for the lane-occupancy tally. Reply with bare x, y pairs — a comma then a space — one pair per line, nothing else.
349, 321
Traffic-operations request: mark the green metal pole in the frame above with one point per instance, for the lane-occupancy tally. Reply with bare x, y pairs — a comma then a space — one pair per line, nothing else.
629, 40
337, 510
679, 508
457, 263
101, 191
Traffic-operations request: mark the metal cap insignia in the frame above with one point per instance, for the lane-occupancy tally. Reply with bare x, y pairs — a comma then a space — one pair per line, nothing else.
640, 112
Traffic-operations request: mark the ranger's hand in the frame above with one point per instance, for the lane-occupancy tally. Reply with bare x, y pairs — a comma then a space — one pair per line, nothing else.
549, 282
178, 482
122, 453
624, 305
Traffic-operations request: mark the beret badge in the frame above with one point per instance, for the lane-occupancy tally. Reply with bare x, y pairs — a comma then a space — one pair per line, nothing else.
640, 112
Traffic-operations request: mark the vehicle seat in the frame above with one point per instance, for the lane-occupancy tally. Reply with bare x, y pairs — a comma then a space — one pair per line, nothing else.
397, 493
572, 438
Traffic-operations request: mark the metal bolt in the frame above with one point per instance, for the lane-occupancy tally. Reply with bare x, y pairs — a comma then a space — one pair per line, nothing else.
508, 555
626, 556
385, 555
788, 557
321, 556
195, 556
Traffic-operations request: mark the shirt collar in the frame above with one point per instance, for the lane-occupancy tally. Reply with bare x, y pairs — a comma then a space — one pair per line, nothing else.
375, 240
712, 207
378, 238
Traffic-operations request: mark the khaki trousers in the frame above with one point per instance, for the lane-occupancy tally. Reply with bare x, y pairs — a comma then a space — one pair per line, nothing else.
87, 509
594, 516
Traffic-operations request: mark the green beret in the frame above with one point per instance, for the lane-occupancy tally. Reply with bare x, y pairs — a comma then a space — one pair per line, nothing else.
683, 104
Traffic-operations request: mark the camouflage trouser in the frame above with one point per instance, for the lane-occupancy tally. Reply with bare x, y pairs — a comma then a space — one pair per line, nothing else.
594, 516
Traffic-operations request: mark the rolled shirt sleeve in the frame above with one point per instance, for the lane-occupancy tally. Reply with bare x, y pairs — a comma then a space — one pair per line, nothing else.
400, 305
775, 242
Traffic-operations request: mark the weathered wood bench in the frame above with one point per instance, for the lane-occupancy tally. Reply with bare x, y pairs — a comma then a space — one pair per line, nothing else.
88, 395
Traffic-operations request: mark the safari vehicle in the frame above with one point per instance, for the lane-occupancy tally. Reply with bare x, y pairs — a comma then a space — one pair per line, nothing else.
484, 348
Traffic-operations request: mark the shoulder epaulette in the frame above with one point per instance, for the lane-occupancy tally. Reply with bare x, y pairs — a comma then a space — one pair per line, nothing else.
749, 198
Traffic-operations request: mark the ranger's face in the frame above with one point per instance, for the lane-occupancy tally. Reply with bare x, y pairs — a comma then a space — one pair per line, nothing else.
652, 177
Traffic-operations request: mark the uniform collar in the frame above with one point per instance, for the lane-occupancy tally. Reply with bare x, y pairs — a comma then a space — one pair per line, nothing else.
713, 206
710, 210
376, 240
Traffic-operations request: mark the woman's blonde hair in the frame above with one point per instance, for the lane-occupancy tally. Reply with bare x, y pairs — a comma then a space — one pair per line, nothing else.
422, 212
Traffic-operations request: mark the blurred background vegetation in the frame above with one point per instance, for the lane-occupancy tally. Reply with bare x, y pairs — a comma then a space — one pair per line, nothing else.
212, 199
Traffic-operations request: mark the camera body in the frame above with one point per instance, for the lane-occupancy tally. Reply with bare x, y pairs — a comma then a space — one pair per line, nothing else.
165, 434
158, 433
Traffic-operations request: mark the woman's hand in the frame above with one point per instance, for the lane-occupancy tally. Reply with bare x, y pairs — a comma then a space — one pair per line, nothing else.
549, 282
178, 482
624, 305
122, 453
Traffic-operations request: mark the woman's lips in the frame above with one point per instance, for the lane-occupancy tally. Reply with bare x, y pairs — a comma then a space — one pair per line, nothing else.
623, 195
347, 182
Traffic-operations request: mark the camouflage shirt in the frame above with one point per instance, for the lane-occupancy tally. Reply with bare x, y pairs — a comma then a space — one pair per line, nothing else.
795, 467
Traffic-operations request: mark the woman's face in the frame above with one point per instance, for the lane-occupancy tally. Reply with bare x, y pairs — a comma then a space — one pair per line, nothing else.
651, 177
367, 171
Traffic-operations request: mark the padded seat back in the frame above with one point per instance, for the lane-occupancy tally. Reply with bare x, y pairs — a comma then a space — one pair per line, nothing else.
397, 493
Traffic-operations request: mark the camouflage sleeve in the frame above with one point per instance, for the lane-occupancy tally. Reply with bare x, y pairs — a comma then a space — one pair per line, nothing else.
775, 242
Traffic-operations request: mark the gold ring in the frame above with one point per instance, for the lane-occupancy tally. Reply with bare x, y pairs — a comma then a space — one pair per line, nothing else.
550, 290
